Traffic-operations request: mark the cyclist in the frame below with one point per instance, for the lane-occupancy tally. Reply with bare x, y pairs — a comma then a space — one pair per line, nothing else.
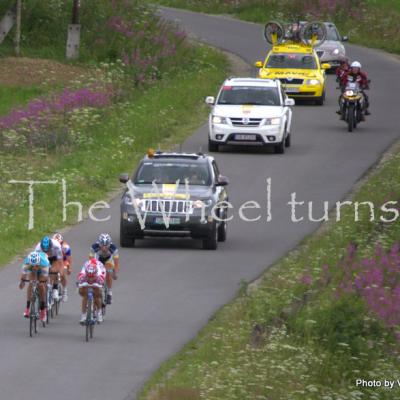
92, 274
35, 265
106, 252
54, 253
67, 263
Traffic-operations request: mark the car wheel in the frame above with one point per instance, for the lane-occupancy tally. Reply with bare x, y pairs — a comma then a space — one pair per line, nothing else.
280, 148
211, 242
321, 100
124, 240
222, 228
212, 146
288, 140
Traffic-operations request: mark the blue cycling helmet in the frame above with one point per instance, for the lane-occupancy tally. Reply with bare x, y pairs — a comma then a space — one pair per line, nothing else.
34, 258
104, 239
46, 244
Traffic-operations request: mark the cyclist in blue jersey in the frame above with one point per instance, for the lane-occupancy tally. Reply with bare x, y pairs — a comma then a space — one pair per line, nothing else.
35, 266
106, 252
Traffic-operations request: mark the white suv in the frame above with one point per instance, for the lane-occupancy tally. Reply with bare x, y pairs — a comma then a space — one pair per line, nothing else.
250, 111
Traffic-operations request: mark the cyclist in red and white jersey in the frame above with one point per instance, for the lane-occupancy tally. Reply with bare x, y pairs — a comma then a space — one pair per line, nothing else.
92, 274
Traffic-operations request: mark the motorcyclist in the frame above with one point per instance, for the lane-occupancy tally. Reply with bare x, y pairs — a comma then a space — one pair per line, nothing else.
356, 75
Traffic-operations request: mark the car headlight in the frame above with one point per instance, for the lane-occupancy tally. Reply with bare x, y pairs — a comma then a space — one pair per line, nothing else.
201, 203
313, 82
218, 120
272, 121
335, 52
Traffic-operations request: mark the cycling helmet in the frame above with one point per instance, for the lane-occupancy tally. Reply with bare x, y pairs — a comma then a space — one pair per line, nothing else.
58, 237
104, 239
34, 258
355, 64
46, 244
91, 268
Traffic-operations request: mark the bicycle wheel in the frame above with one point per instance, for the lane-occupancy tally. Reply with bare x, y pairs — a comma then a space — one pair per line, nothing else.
34, 311
313, 33
273, 32
104, 299
89, 318
32, 321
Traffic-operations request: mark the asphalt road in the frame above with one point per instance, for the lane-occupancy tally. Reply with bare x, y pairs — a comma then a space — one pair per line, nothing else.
168, 289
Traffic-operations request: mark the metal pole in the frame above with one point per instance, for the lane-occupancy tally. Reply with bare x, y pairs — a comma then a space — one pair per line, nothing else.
17, 39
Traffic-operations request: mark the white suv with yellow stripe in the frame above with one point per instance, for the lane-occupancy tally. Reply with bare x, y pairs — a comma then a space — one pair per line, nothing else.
251, 112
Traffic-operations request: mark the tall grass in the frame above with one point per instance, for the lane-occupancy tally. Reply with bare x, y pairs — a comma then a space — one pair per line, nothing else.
16, 96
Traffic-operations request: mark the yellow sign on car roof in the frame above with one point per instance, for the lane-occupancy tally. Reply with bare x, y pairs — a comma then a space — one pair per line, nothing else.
292, 48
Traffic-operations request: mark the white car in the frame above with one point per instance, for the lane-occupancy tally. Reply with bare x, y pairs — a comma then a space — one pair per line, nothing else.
250, 111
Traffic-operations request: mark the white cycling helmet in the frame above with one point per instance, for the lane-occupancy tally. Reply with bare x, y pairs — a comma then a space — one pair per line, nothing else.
355, 64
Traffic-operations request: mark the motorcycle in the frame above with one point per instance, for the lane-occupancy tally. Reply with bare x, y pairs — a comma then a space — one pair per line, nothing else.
352, 105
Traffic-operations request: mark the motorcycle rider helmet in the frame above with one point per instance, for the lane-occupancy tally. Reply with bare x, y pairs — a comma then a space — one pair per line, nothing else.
58, 237
355, 64
104, 239
46, 244
34, 258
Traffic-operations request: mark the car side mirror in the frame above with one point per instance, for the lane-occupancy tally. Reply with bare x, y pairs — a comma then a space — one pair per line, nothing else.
289, 102
210, 100
222, 181
123, 178
345, 39
258, 64
325, 66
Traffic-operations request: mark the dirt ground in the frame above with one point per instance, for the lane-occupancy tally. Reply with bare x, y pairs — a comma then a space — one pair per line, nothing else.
33, 71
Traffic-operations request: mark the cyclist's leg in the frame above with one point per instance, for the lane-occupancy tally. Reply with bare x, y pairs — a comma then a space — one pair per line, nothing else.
64, 281
83, 292
109, 269
28, 276
97, 293
42, 276
55, 268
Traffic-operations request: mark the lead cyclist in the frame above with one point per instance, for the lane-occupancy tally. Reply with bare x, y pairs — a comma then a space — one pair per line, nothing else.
106, 252
35, 265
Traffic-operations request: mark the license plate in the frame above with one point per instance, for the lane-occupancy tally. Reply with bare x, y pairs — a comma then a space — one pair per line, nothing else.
292, 90
245, 137
172, 221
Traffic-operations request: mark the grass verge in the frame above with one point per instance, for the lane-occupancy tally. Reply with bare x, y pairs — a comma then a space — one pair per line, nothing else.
111, 141
307, 329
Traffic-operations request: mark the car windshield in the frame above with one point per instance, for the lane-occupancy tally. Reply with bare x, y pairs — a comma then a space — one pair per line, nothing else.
332, 34
171, 172
253, 95
292, 61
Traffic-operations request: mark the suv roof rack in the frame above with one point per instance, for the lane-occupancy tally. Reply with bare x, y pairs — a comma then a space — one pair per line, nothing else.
192, 156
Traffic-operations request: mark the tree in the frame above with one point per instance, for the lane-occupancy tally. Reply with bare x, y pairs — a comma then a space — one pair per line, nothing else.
17, 39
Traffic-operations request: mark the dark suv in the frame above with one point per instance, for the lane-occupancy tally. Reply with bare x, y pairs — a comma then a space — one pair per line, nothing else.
174, 194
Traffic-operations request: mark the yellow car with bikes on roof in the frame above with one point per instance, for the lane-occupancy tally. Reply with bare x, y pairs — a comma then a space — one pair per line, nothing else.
294, 61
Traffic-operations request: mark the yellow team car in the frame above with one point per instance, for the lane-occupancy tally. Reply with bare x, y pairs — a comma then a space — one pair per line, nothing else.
298, 68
